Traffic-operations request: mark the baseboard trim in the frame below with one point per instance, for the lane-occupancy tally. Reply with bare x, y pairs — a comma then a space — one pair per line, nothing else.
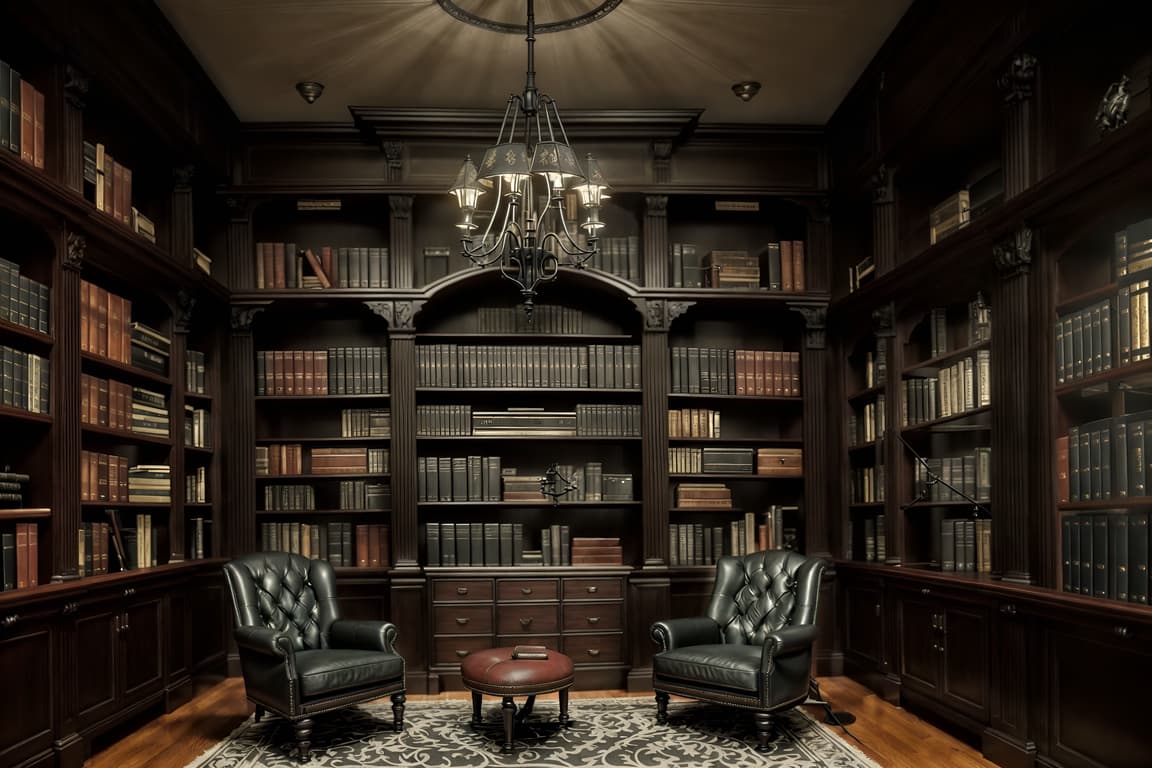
1006, 751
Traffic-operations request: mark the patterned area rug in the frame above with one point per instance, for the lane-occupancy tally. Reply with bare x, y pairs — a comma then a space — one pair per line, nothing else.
604, 733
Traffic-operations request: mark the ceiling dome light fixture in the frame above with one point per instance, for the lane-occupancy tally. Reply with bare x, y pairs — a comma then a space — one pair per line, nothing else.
539, 186
746, 90
310, 90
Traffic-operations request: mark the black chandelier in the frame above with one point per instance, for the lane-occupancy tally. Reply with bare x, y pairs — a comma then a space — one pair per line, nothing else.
539, 186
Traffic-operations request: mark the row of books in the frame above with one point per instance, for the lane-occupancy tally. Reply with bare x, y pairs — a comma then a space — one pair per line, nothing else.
197, 427
876, 365
198, 538
483, 478
782, 262
1105, 459
23, 301
977, 328
598, 366
289, 459
195, 373
875, 539
116, 405
22, 117
108, 186
105, 323
964, 545
693, 422
1084, 336
341, 543
749, 372
12, 488
477, 544
770, 462
24, 380
354, 495
867, 421
332, 371
970, 474
1105, 554
703, 544
949, 216
110, 547
960, 387
545, 319
19, 555
196, 486
365, 422
1132, 251
150, 349
586, 420
285, 265
866, 485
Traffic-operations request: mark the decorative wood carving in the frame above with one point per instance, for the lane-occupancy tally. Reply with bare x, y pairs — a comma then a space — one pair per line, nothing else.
182, 322
75, 86
1019, 78
662, 161
400, 315
659, 313
655, 240
883, 320
815, 322
182, 176
1015, 255
883, 219
74, 254
242, 318
394, 154
400, 240
882, 186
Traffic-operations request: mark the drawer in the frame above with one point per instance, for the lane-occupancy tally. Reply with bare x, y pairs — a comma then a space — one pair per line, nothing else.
515, 590
595, 649
529, 618
449, 650
463, 619
593, 589
457, 590
593, 616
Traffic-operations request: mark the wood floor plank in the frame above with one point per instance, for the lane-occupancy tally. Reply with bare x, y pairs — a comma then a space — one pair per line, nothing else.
891, 736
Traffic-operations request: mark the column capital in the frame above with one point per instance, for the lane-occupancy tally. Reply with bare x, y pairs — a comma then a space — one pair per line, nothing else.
659, 313
1017, 81
75, 86
186, 303
400, 315
815, 321
883, 320
1015, 255
400, 205
882, 185
74, 254
242, 318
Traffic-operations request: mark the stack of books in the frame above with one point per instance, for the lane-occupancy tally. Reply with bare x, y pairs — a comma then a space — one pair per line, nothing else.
732, 269
149, 412
703, 496
949, 216
150, 349
150, 483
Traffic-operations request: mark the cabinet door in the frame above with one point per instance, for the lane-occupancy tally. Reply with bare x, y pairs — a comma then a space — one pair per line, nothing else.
919, 644
97, 663
142, 644
965, 641
30, 684
864, 625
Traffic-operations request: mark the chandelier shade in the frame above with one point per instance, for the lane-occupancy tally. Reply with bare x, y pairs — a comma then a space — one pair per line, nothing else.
538, 183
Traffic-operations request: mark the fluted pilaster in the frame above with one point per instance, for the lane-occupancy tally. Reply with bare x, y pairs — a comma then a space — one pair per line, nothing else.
1019, 143
817, 406
884, 220
66, 513
180, 225
1012, 446
400, 241
238, 463
405, 521
71, 161
241, 260
656, 240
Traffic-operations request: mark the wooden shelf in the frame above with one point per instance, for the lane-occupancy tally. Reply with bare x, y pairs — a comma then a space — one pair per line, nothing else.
127, 504
533, 338
195, 397
934, 364
1134, 502
954, 423
25, 513
41, 340
728, 476
866, 505
1122, 377
318, 398
706, 509
320, 512
332, 476
110, 365
19, 414
198, 450
279, 440
749, 398
867, 394
542, 438
1081, 300
532, 390
528, 504
126, 435
774, 442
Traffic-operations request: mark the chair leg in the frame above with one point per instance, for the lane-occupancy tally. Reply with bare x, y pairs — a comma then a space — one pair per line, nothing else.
259, 713
303, 738
398, 700
765, 729
662, 707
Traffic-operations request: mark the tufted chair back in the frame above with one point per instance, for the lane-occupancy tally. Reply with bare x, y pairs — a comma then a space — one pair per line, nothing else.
288, 593
763, 592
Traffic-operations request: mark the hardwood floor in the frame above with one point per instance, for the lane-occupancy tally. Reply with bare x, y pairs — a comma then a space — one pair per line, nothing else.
891, 736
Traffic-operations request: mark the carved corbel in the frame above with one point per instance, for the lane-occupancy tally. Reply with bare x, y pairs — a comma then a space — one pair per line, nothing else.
400, 315
1018, 80
74, 253
815, 324
1014, 256
242, 318
659, 313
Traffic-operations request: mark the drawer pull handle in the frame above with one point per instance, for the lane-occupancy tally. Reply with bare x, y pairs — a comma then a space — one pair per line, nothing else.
526, 621
461, 654
593, 651
461, 620
593, 619
525, 590
461, 590
593, 589
1122, 632
925, 591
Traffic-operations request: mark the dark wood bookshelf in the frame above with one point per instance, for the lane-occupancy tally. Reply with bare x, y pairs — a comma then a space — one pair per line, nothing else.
138, 374
1132, 376
25, 514
199, 450
729, 476
957, 422
40, 340
19, 414
534, 390
533, 438
738, 398
320, 512
1099, 293
859, 447
1122, 502
331, 476
277, 440
526, 504
779, 442
708, 510
197, 398
533, 338
866, 394
291, 398
932, 365
866, 504
127, 504
126, 435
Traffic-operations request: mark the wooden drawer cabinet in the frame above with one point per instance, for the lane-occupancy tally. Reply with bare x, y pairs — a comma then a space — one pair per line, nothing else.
527, 619
521, 590
461, 590
450, 650
593, 589
599, 617
463, 619
595, 649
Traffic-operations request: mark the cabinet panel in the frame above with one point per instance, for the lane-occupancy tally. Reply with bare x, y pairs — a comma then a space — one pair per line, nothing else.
595, 649
25, 667
449, 650
452, 590
863, 623
593, 616
463, 619
510, 590
141, 632
97, 665
965, 681
596, 589
527, 619
919, 646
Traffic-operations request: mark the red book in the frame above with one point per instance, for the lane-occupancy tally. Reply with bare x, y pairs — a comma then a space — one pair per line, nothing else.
38, 130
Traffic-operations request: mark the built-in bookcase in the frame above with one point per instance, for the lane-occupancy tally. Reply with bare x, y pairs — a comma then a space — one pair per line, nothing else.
323, 432
865, 425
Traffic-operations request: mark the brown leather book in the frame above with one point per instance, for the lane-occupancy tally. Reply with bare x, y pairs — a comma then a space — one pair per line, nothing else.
798, 265
27, 125
318, 268
530, 652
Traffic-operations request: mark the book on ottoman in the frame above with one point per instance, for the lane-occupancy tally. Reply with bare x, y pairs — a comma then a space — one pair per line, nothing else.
530, 652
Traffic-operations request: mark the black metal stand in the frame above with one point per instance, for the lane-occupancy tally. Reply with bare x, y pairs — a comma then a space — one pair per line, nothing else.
831, 717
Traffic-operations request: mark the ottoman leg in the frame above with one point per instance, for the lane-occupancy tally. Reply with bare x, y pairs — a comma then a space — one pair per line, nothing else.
476, 721
509, 710
564, 719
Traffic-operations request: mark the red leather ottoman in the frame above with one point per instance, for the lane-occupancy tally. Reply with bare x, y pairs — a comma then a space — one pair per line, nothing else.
496, 673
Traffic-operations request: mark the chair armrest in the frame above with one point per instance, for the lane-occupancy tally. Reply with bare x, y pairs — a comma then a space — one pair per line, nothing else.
678, 633
264, 641
362, 635
789, 640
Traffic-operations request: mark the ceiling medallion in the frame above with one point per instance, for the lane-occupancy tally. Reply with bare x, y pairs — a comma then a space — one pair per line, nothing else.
600, 9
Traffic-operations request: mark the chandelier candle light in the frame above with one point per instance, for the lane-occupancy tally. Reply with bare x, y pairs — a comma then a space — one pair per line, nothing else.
528, 234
